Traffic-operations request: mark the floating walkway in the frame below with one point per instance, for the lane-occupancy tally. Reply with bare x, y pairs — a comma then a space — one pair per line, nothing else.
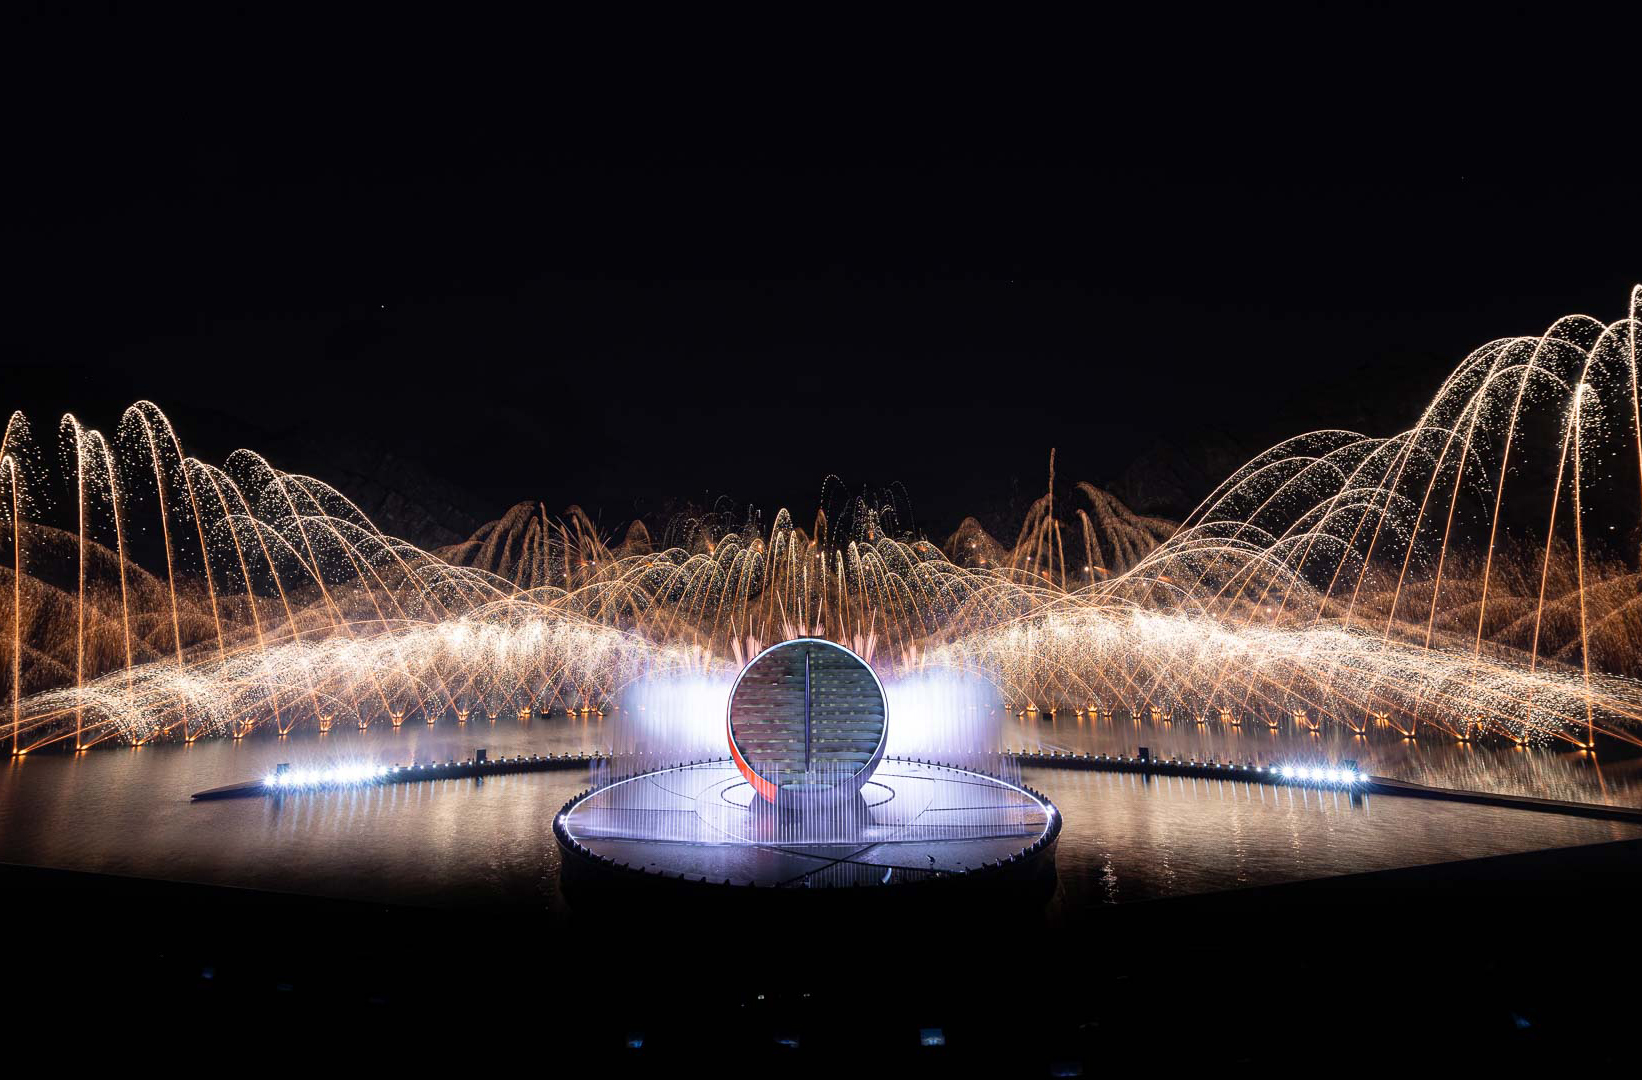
1319, 777
284, 781
1344, 777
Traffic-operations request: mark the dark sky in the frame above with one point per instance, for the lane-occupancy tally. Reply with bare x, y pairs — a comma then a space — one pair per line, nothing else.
615, 304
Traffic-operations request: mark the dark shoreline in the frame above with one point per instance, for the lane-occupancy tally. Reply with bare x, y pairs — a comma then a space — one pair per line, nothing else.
1511, 954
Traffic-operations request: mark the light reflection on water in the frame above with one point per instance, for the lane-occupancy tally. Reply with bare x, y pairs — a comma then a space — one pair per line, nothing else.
1129, 837
126, 811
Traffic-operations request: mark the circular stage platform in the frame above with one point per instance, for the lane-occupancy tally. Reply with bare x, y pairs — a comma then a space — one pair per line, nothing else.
911, 822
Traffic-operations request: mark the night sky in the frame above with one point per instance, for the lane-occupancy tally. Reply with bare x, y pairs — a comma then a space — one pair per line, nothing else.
617, 303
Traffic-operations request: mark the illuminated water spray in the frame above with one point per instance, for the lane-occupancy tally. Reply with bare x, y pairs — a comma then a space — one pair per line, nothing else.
1478, 574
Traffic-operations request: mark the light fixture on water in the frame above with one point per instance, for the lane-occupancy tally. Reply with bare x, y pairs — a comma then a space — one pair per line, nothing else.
335, 776
1312, 774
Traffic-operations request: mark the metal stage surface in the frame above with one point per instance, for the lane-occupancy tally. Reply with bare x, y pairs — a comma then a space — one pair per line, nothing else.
910, 821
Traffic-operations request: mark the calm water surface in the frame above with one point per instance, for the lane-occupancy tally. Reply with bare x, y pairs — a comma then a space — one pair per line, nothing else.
127, 811
1129, 837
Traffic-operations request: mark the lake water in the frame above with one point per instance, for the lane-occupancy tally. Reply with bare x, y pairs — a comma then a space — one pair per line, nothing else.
127, 811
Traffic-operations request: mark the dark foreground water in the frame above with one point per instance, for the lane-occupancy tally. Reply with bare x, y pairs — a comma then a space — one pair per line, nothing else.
127, 811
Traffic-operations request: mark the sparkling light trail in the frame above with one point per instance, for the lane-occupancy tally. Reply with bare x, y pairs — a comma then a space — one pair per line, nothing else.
1479, 572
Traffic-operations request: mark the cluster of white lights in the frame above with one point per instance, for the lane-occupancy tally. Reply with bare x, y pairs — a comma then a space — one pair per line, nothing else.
1309, 774
1298, 774
336, 775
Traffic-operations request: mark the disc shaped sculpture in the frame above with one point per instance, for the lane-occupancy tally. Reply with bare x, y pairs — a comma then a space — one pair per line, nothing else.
807, 722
